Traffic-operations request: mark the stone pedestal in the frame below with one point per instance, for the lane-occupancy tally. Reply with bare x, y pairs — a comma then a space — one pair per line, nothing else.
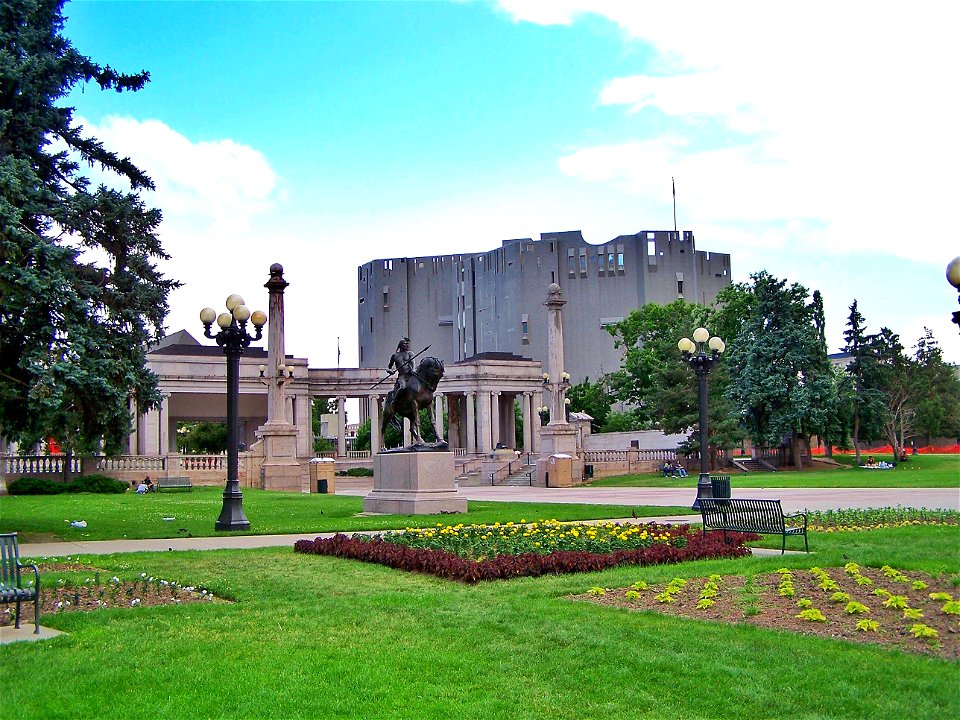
558, 439
414, 483
280, 469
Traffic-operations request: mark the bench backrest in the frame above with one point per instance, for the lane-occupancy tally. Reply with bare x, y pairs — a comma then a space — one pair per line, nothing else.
174, 482
9, 560
743, 514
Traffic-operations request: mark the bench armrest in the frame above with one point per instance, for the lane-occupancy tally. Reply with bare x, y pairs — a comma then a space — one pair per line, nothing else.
36, 575
797, 515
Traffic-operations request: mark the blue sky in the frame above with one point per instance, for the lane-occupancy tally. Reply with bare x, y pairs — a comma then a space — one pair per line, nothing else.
818, 141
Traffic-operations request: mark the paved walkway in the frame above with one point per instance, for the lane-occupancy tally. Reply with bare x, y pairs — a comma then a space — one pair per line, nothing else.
793, 499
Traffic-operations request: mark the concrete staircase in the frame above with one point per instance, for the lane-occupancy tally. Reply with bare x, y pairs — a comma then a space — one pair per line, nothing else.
750, 465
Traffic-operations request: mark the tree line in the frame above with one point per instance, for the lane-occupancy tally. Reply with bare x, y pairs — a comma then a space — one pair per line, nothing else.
775, 384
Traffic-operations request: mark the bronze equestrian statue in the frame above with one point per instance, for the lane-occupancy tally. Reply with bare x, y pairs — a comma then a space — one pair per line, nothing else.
415, 392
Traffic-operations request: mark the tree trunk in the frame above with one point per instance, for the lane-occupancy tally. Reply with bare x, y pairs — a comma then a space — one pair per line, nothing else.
856, 438
796, 447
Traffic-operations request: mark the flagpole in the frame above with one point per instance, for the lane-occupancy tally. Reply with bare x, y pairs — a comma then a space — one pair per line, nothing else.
674, 186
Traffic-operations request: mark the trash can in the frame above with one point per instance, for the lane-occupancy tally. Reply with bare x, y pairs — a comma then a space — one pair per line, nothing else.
322, 475
720, 485
588, 471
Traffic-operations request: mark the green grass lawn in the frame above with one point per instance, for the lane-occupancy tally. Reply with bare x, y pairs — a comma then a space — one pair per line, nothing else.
41, 518
317, 637
926, 471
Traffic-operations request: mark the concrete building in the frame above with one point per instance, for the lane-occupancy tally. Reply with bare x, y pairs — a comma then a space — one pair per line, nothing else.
464, 305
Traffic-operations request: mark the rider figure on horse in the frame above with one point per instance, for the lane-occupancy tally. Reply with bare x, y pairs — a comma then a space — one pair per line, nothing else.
402, 360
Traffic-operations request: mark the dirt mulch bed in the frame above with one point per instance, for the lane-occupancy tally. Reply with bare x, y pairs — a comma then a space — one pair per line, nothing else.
59, 599
758, 601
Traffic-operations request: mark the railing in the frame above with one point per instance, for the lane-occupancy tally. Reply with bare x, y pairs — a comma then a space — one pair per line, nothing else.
459, 452
359, 454
204, 462
119, 463
469, 466
633, 455
38, 464
505, 471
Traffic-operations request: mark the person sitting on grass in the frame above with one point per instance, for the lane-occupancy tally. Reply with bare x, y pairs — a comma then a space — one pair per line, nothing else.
680, 470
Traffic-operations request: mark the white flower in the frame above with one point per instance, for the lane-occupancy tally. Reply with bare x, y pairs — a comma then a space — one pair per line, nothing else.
134, 602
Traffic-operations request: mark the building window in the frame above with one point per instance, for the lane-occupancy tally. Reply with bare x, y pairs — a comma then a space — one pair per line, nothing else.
601, 262
583, 262
571, 263
611, 268
386, 298
620, 261
371, 326
525, 328
679, 288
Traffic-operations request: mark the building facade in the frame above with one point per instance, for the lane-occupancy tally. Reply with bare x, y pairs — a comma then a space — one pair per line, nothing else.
464, 305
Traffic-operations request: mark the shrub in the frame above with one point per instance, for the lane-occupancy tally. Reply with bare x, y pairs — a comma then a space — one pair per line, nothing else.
34, 486
454, 567
95, 484
360, 472
43, 486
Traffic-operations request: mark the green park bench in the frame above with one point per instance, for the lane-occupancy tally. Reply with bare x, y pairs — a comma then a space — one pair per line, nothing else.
174, 483
752, 516
12, 589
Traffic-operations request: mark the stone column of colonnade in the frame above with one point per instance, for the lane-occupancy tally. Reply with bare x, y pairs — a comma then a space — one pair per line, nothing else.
496, 424
527, 412
484, 444
341, 426
471, 424
374, 424
438, 414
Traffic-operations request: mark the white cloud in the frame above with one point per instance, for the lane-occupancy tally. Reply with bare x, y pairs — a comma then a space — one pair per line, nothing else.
218, 184
837, 114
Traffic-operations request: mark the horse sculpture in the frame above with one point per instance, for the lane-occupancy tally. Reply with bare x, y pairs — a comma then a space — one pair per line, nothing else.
407, 401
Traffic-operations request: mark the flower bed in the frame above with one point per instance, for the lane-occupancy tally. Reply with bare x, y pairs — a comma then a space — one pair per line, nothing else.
909, 610
597, 548
853, 520
97, 592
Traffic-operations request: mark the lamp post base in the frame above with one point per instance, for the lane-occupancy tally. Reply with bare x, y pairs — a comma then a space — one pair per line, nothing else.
704, 490
231, 516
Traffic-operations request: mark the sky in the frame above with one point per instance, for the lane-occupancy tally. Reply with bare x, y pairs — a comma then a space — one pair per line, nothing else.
818, 141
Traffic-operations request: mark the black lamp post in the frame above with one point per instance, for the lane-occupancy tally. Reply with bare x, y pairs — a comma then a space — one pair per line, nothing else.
953, 276
696, 355
233, 338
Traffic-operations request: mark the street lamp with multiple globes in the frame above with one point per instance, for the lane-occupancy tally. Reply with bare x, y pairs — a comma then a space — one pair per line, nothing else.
953, 277
233, 338
696, 355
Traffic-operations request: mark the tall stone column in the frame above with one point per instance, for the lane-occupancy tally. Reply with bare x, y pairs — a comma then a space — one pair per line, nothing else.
374, 424
471, 424
281, 468
527, 401
341, 426
558, 440
496, 413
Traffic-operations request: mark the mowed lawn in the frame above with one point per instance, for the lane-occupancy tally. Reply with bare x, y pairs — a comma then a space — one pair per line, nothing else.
42, 518
925, 471
317, 637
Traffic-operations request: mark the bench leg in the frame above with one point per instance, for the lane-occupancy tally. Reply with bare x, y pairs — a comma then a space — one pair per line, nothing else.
805, 546
17, 623
783, 545
36, 614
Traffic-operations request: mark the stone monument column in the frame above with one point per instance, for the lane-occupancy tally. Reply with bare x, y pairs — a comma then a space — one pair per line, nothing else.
558, 440
483, 422
281, 468
496, 413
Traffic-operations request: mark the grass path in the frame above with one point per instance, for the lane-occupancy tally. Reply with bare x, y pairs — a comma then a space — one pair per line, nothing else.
315, 637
